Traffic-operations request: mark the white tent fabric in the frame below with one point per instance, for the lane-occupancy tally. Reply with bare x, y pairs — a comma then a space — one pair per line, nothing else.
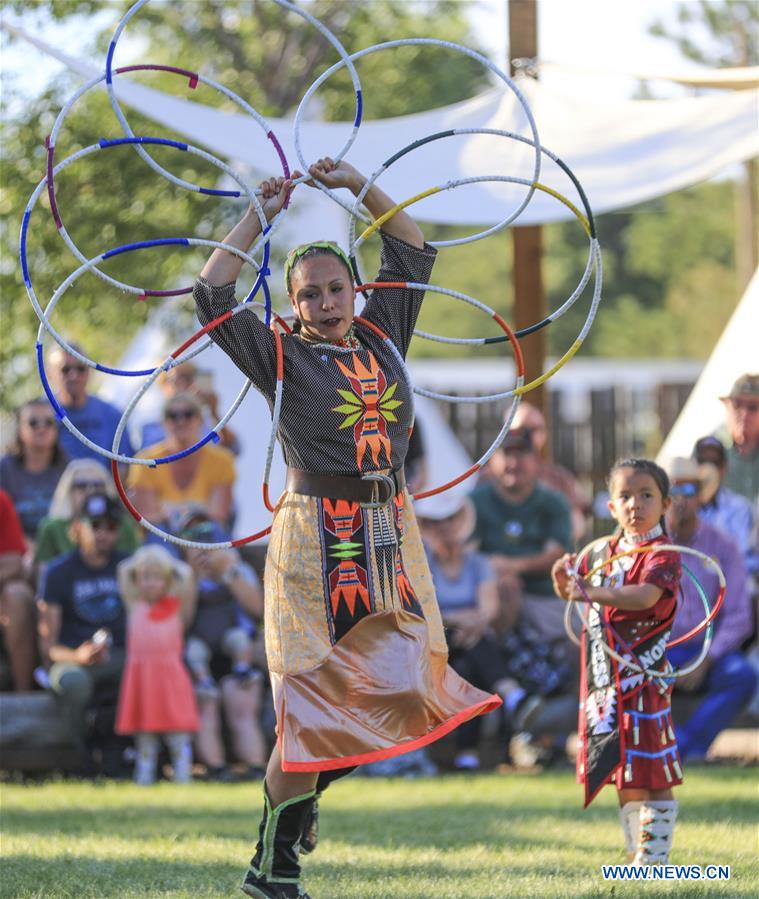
738, 78
623, 153
736, 354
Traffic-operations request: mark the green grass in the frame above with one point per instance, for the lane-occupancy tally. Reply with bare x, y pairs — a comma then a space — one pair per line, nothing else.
449, 838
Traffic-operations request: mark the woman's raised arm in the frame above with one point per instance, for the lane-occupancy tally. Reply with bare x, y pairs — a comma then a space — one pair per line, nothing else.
224, 267
342, 174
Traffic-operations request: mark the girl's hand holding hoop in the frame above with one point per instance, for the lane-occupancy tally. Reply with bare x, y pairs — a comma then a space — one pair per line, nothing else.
563, 583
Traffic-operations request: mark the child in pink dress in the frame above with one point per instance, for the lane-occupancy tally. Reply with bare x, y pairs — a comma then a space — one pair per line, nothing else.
156, 698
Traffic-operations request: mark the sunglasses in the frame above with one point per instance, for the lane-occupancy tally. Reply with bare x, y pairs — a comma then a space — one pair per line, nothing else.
79, 369
181, 414
688, 490
88, 485
105, 524
41, 422
745, 405
199, 532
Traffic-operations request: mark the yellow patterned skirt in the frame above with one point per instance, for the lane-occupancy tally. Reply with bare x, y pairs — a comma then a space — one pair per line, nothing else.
354, 640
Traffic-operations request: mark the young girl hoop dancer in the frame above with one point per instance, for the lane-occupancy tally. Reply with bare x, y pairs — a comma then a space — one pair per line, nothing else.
625, 725
156, 698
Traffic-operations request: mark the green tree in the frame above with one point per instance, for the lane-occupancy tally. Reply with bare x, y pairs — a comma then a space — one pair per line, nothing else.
263, 53
731, 26
720, 35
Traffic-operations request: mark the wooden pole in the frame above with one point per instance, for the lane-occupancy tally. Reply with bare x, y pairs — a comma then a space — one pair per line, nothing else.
529, 297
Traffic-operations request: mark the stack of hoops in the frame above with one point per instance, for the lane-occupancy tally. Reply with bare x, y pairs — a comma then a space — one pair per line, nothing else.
258, 259
259, 295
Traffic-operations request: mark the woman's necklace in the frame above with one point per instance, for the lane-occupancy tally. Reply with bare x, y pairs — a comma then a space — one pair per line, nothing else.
347, 341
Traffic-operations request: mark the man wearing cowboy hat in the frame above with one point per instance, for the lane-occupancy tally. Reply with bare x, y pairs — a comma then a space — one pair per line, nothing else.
742, 406
725, 679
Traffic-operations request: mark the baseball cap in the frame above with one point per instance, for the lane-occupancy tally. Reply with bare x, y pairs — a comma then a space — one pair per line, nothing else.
519, 439
710, 442
100, 505
745, 386
196, 524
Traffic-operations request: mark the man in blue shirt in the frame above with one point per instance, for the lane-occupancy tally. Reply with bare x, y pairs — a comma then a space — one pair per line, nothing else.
722, 507
82, 621
95, 418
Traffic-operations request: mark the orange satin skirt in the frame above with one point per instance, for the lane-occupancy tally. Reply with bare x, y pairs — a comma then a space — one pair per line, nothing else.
354, 640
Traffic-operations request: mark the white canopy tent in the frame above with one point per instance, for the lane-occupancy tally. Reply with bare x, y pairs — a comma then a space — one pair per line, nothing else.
734, 355
623, 153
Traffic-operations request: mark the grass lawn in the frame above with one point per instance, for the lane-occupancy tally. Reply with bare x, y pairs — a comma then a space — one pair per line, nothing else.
485, 836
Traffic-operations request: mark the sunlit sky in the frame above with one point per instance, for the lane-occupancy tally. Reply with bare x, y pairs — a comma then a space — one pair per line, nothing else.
608, 36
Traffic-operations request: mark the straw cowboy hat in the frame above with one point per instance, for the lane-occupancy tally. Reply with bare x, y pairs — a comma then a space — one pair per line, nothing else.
444, 506
683, 468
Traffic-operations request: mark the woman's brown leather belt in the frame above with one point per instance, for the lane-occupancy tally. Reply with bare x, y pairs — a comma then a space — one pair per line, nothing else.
372, 489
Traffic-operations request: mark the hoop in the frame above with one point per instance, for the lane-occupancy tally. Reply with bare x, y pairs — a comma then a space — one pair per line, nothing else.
46, 326
174, 359
194, 79
594, 262
587, 220
91, 264
200, 340
518, 358
139, 142
705, 624
450, 46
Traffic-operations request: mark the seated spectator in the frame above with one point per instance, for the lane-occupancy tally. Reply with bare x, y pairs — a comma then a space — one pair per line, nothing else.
206, 476
742, 408
16, 598
724, 679
416, 469
722, 507
222, 648
467, 594
523, 528
188, 378
95, 418
80, 479
551, 475
30, 471
82, 623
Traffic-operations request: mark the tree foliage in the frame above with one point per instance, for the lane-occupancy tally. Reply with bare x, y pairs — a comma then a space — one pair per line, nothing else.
669, 281
730, 28
262, 53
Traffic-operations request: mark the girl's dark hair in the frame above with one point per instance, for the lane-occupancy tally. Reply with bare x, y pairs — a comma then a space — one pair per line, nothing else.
643, 466
17, 451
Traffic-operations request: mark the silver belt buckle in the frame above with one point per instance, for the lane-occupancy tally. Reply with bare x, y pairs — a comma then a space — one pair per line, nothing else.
381, 480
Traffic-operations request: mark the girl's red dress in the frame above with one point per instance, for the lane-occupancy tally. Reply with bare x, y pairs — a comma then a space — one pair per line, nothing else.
156, 691
648, 757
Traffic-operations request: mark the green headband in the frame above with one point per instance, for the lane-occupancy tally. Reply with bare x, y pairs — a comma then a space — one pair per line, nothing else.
295, 254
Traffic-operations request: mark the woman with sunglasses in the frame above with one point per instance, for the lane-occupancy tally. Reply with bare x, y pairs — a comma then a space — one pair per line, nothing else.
80, 479
35, 461
204, 477
355, 644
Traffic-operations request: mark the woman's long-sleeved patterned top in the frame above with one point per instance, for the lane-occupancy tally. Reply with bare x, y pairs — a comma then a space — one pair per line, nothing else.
344, 411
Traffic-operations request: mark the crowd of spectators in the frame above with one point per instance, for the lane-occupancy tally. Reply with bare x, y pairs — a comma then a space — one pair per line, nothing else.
66, 546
